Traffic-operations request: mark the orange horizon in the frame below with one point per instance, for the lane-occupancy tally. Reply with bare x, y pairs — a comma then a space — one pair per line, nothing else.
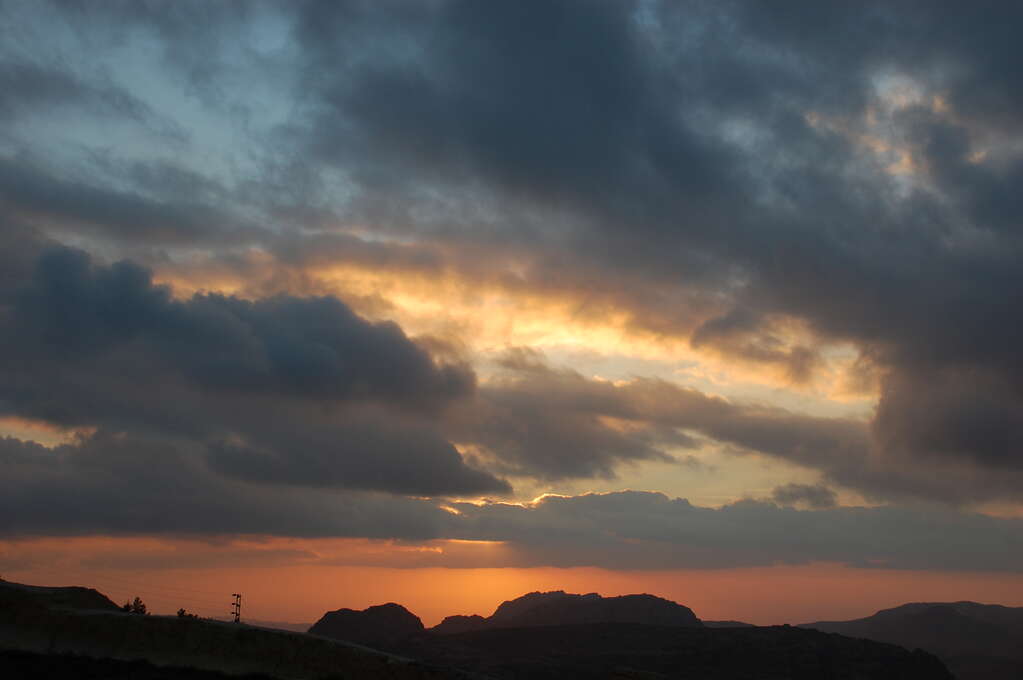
758, 595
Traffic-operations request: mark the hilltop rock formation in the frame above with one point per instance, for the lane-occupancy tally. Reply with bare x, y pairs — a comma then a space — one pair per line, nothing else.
560, 608
379, 626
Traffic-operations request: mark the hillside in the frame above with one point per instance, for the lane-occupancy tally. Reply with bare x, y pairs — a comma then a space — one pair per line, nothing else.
640, 651
19, 665
36, 620
976, 641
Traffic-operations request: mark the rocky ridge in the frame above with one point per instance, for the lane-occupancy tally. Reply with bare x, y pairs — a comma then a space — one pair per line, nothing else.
557, 608
378, 626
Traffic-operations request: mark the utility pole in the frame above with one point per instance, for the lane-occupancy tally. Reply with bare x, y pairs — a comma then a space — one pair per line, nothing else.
237, 607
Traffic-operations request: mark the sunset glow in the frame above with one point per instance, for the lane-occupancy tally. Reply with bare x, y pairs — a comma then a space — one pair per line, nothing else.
440, 303
764, 596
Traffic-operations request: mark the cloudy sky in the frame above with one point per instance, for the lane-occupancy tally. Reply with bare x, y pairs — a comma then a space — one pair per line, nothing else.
446, 301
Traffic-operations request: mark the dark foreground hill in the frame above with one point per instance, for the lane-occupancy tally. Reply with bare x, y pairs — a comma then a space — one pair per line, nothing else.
976, 641
629, 650
30, 621
560, 608
18, 665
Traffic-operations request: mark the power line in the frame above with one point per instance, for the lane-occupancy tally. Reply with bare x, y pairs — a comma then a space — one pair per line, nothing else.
107, 581
165, 597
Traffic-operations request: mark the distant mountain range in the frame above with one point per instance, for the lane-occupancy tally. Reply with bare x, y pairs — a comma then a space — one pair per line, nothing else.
976, 641
563, 635
385, 625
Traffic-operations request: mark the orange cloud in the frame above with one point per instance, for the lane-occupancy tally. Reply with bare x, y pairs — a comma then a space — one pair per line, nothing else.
40, 431
509, 301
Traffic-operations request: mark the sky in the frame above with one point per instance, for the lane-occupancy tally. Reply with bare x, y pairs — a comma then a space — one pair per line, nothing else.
442, 302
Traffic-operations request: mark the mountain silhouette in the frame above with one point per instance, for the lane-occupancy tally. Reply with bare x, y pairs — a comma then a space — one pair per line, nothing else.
378, 626
976, 641
558, 608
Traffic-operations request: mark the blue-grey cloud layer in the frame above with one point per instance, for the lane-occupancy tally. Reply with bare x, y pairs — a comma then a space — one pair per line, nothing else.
288, 390
662, 159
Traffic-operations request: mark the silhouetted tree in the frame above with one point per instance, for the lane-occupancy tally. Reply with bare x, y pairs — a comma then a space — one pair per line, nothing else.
136, 606
182, 614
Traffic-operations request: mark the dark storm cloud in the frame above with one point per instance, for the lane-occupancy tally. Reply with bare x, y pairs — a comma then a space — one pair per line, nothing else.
540, 96
557, 103
533, 420
287, 390
531, 430
20, 245
644, 530
816, 496
664, 156
371, 450
555, 424
679, 134
113, 484
952, 414
30, 88
69, 205
313, 348
741, 333
117, 485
